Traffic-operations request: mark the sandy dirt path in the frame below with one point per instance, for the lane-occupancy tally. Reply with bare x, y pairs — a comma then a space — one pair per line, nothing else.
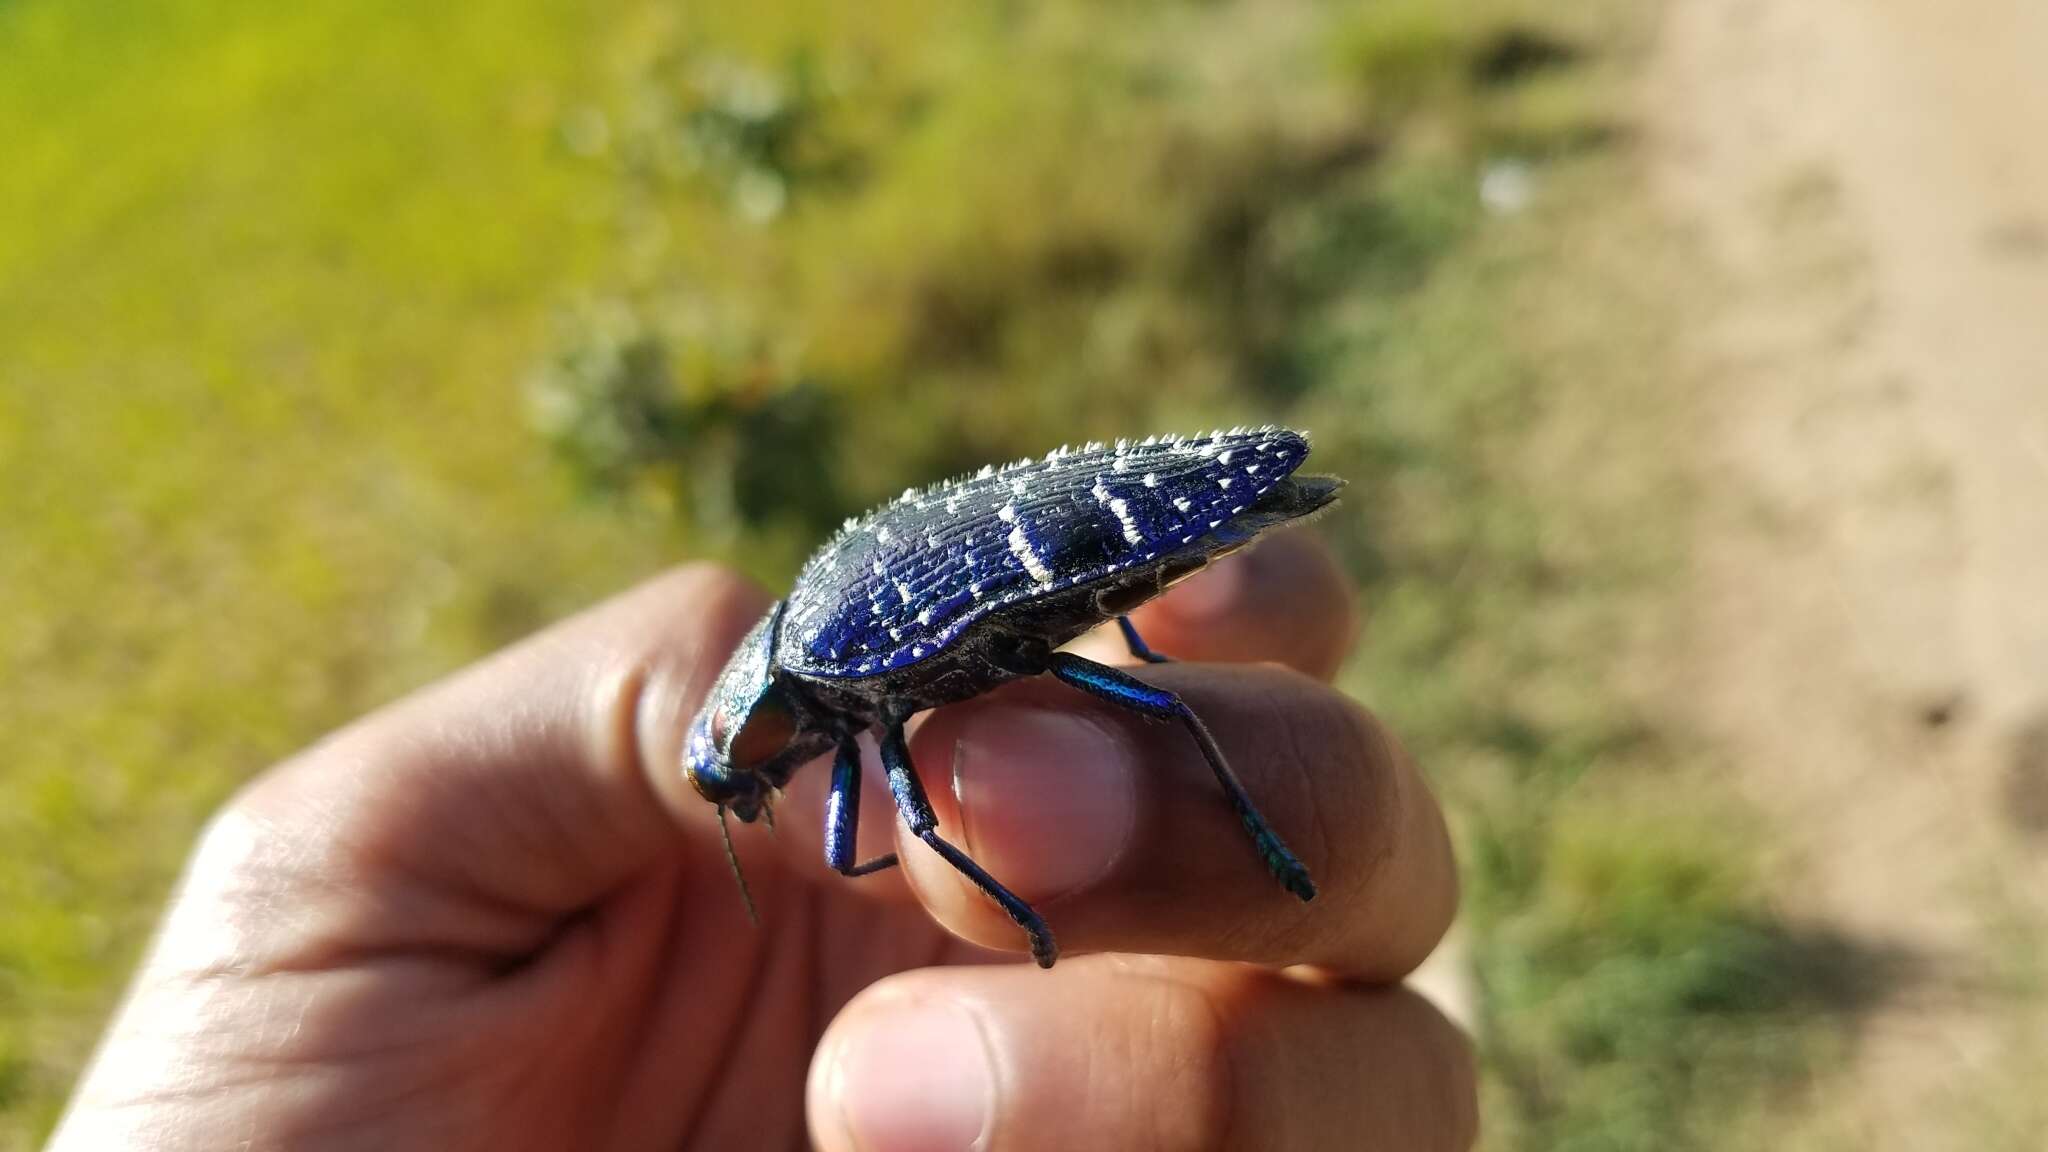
1867, 183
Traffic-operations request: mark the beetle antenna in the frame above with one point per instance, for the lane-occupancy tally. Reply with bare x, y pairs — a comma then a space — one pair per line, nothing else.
733, 858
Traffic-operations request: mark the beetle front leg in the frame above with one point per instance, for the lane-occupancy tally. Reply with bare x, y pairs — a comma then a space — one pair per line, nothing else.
924, 824
1127, 691
842, 816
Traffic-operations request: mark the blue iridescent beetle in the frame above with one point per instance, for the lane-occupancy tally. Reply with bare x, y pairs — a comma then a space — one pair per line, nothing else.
955, 589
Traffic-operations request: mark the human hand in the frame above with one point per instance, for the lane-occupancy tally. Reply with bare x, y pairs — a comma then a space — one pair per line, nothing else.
495, 916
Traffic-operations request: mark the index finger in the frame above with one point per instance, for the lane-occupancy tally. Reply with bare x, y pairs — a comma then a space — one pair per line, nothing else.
1115, 827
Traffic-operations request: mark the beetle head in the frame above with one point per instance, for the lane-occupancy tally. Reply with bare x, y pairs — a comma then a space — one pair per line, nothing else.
747, 724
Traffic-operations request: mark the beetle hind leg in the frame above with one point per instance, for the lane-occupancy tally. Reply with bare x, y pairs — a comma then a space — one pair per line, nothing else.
1127, 691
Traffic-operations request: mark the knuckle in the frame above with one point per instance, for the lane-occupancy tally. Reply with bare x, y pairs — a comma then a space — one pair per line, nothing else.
702, 580
707, 597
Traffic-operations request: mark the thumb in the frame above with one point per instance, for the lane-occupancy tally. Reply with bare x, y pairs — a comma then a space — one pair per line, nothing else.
479, 811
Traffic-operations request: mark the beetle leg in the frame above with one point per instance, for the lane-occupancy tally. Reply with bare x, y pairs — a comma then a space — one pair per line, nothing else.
842, 815
918, 815
1126, 691
1137, 645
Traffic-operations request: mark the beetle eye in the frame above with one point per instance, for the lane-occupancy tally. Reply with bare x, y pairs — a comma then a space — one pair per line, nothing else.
719, 728
768, 730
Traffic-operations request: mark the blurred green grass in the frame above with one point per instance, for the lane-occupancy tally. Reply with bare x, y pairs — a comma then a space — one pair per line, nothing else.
280, 289
256, 263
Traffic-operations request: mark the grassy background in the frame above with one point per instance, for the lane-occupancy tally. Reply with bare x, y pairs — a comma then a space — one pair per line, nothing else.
341, 343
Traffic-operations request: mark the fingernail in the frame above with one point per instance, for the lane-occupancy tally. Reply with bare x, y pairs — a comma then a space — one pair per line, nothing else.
1210, 593
1047, 798
915, 1079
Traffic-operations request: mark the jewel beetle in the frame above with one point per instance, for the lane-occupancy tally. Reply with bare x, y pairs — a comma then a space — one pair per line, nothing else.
954, 589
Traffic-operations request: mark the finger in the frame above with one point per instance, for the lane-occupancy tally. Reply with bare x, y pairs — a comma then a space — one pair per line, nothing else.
1118, 1052
1116, 828
1283, 600
520, 788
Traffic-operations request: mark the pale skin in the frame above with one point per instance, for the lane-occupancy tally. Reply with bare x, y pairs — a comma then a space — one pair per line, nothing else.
495, 916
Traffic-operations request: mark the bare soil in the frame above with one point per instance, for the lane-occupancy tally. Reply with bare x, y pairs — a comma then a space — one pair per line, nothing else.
1867, 184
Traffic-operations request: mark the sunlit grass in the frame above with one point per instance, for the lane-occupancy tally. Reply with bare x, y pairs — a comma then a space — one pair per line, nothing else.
269, 275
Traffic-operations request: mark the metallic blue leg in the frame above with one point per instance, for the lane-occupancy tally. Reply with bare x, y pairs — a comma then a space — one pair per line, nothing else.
1126, 691
917, 813
842, 816
1137, 645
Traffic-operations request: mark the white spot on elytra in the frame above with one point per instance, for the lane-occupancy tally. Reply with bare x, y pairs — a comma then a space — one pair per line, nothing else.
1122, 511
903, 590
1224, 483
925, 617
879, 569
1020, 547
1007, 513
952, 504
1181, 504
1100, 493
1151, 480
1223, 457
